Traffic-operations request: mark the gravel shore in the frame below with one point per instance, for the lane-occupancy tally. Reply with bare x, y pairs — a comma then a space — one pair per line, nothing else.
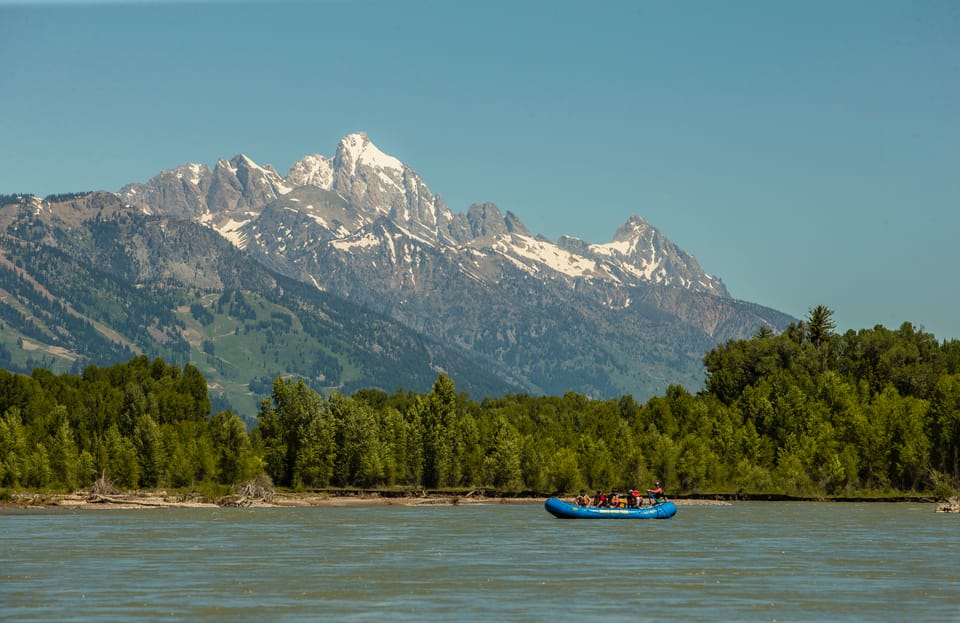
161, 499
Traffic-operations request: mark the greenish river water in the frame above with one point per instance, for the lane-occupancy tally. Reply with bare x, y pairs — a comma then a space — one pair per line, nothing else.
746, 562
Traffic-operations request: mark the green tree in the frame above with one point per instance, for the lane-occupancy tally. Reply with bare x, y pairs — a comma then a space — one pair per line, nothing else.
564, 472
231, 447
13, 448
414, 468
537, 470
597, 465
694, 463
471, 447
281, 427
910, 451
763, 332
86, 468
37, 469
149, 447
503, 462
64, 455
820, 325
122, 466
395, 443
438, 413
944, 424
360, 459
179, 467
663, 461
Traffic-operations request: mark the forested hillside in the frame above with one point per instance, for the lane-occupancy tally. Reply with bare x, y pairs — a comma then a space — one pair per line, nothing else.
807, 412
89, 281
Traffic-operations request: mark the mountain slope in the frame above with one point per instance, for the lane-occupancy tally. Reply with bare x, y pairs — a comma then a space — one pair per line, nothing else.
629, 316
117, 283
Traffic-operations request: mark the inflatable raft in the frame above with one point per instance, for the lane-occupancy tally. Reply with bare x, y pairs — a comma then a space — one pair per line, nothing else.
565, 510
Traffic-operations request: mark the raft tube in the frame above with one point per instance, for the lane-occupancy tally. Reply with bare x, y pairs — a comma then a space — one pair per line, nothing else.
565, 510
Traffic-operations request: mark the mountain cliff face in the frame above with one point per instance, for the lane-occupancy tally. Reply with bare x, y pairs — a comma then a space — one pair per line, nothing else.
629, 316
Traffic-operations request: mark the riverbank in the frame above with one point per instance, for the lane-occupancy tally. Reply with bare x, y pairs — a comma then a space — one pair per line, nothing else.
162, 499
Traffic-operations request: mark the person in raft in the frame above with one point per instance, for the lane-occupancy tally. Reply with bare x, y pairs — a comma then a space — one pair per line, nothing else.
583, 499
601, 499
656, 494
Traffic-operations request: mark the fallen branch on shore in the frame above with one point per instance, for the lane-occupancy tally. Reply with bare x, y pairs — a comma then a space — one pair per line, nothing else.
102, 486
950, 506
257, 490
126, 501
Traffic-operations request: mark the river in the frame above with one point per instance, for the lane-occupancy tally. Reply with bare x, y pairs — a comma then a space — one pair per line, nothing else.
762, 561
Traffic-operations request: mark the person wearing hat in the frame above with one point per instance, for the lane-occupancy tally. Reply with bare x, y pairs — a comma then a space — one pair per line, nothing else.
656, 494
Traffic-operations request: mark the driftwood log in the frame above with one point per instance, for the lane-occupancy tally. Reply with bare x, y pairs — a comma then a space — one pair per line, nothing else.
102, 487
260, 489
950, 506
125, 501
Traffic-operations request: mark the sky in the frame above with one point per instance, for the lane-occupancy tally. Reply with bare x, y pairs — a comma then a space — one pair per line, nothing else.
807, 153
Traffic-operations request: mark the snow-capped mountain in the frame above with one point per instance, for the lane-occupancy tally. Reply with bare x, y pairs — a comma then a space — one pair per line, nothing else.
226, 198
554, 315
247, 202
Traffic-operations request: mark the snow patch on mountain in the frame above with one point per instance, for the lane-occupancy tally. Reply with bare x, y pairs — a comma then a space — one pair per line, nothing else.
543, 252
413, 236
623, 247
231, 231
362, 151
364, 241
226, 164
386, 179
647, 268
314, 170
192, 172
229, 228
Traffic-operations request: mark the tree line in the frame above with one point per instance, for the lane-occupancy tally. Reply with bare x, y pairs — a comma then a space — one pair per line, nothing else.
805, 412
141, 424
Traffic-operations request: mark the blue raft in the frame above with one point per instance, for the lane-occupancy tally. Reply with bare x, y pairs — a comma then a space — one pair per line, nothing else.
565, 510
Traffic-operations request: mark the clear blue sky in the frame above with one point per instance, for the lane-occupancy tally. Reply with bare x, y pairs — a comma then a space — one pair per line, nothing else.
805, 152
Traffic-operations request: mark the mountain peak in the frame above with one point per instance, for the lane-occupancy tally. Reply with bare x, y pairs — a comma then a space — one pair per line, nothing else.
192, 172
243, 162
315, 170
357, 149
634, 226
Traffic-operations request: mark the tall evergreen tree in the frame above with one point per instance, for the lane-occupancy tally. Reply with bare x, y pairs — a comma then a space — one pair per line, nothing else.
820, 325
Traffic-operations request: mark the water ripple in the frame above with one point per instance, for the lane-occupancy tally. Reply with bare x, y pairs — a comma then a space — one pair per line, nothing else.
747, 562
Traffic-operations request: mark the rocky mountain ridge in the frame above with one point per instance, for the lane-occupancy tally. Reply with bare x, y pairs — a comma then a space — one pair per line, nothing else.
629, 316
368, 185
